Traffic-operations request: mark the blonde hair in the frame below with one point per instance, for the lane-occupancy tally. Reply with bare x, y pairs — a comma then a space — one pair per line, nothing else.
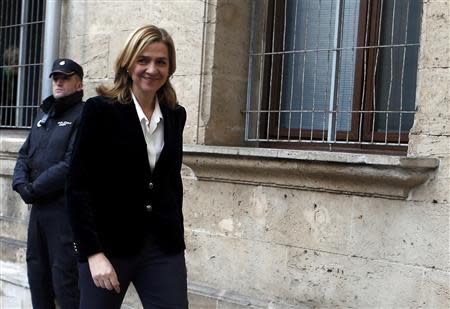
135, 45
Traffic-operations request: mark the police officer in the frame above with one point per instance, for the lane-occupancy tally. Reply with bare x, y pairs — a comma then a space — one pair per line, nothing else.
39, 178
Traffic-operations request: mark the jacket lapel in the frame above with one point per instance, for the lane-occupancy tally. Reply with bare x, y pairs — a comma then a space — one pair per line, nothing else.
168, 138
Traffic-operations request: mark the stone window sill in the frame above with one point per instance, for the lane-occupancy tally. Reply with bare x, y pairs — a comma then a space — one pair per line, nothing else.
345, 173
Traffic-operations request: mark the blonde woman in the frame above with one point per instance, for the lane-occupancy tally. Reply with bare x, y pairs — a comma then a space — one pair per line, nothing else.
124, 187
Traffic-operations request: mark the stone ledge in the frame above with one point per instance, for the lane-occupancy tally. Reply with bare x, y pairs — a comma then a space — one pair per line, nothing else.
356, 174
233, 298
345, 173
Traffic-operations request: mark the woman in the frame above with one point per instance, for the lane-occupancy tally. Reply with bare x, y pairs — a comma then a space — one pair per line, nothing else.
124, 186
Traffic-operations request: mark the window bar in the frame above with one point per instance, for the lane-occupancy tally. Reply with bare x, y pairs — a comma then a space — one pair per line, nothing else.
33, 101
13, 87
293, 69
303, 73
339, 54
33, 55
262, 58
329, 56
282, 72
31, 69
22, 59
316, 53
375, 73
331, 103
271, 71
9, 7
391, 71
250, 73
28, 29
5, 83
363, 115
302, 51
403, 74
354, 43
17, 34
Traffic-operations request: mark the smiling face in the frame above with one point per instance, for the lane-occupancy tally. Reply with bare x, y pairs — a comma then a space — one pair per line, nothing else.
151, 70
64, 85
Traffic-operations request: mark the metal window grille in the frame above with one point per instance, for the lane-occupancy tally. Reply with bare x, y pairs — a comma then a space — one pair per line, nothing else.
333, 71
21, 46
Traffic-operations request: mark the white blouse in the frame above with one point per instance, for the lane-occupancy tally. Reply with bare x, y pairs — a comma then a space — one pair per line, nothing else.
153, 131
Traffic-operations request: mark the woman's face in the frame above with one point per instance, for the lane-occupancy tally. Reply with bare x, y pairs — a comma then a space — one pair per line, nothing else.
151, 69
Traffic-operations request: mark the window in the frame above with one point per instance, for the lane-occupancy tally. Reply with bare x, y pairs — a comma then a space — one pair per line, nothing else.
337, 74
21, 46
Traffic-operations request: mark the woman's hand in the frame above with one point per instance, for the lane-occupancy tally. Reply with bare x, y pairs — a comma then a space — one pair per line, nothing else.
103, 272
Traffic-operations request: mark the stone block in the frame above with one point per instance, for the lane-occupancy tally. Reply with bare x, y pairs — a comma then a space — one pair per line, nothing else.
14, 297
326, 280
435, 37
435, 290
228, 97
13, 228
91, 51
11, 203
283, 216
435, 191
401, 232
89, 87
201, 302
433, 103
187, 88
202, 213
100, 17
12, 250
253, 268
10, 143
232, 38
14, 290
434, 146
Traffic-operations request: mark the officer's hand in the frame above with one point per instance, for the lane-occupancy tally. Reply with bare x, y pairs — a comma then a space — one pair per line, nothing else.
103, 272
26, 193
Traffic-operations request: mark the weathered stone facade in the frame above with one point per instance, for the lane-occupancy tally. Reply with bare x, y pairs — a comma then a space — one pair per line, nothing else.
274, 228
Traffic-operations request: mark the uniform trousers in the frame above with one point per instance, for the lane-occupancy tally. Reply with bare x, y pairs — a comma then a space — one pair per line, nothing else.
159, 278
51, 259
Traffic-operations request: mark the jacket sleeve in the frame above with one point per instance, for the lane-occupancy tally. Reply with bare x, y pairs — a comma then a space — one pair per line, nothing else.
78, 195
179, 182
53, 179
22, 170
21, 176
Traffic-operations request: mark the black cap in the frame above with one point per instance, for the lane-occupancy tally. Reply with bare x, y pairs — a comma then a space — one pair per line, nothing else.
66, 67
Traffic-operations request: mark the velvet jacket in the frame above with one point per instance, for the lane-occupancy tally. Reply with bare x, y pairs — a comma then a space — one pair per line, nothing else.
114, 200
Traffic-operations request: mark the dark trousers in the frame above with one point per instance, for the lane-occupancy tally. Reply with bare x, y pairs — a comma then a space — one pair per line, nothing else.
51, 260
159, 279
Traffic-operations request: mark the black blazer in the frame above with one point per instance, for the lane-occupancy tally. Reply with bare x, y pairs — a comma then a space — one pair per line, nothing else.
113, 198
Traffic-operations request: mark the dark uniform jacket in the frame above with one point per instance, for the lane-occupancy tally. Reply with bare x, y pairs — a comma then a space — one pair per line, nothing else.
115, 201
44, 158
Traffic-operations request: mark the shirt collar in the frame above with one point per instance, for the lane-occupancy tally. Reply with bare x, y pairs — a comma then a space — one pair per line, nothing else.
157, 114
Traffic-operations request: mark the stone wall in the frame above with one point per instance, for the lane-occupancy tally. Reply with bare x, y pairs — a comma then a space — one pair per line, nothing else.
276, 228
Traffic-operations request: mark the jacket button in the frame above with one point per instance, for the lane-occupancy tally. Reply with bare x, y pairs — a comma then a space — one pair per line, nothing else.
150, 185
149, 208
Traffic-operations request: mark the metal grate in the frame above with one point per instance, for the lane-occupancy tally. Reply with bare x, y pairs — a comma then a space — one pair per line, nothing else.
21, 45
333, 71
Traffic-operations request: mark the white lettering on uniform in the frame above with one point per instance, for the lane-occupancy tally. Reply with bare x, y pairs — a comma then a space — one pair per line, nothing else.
63, 123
